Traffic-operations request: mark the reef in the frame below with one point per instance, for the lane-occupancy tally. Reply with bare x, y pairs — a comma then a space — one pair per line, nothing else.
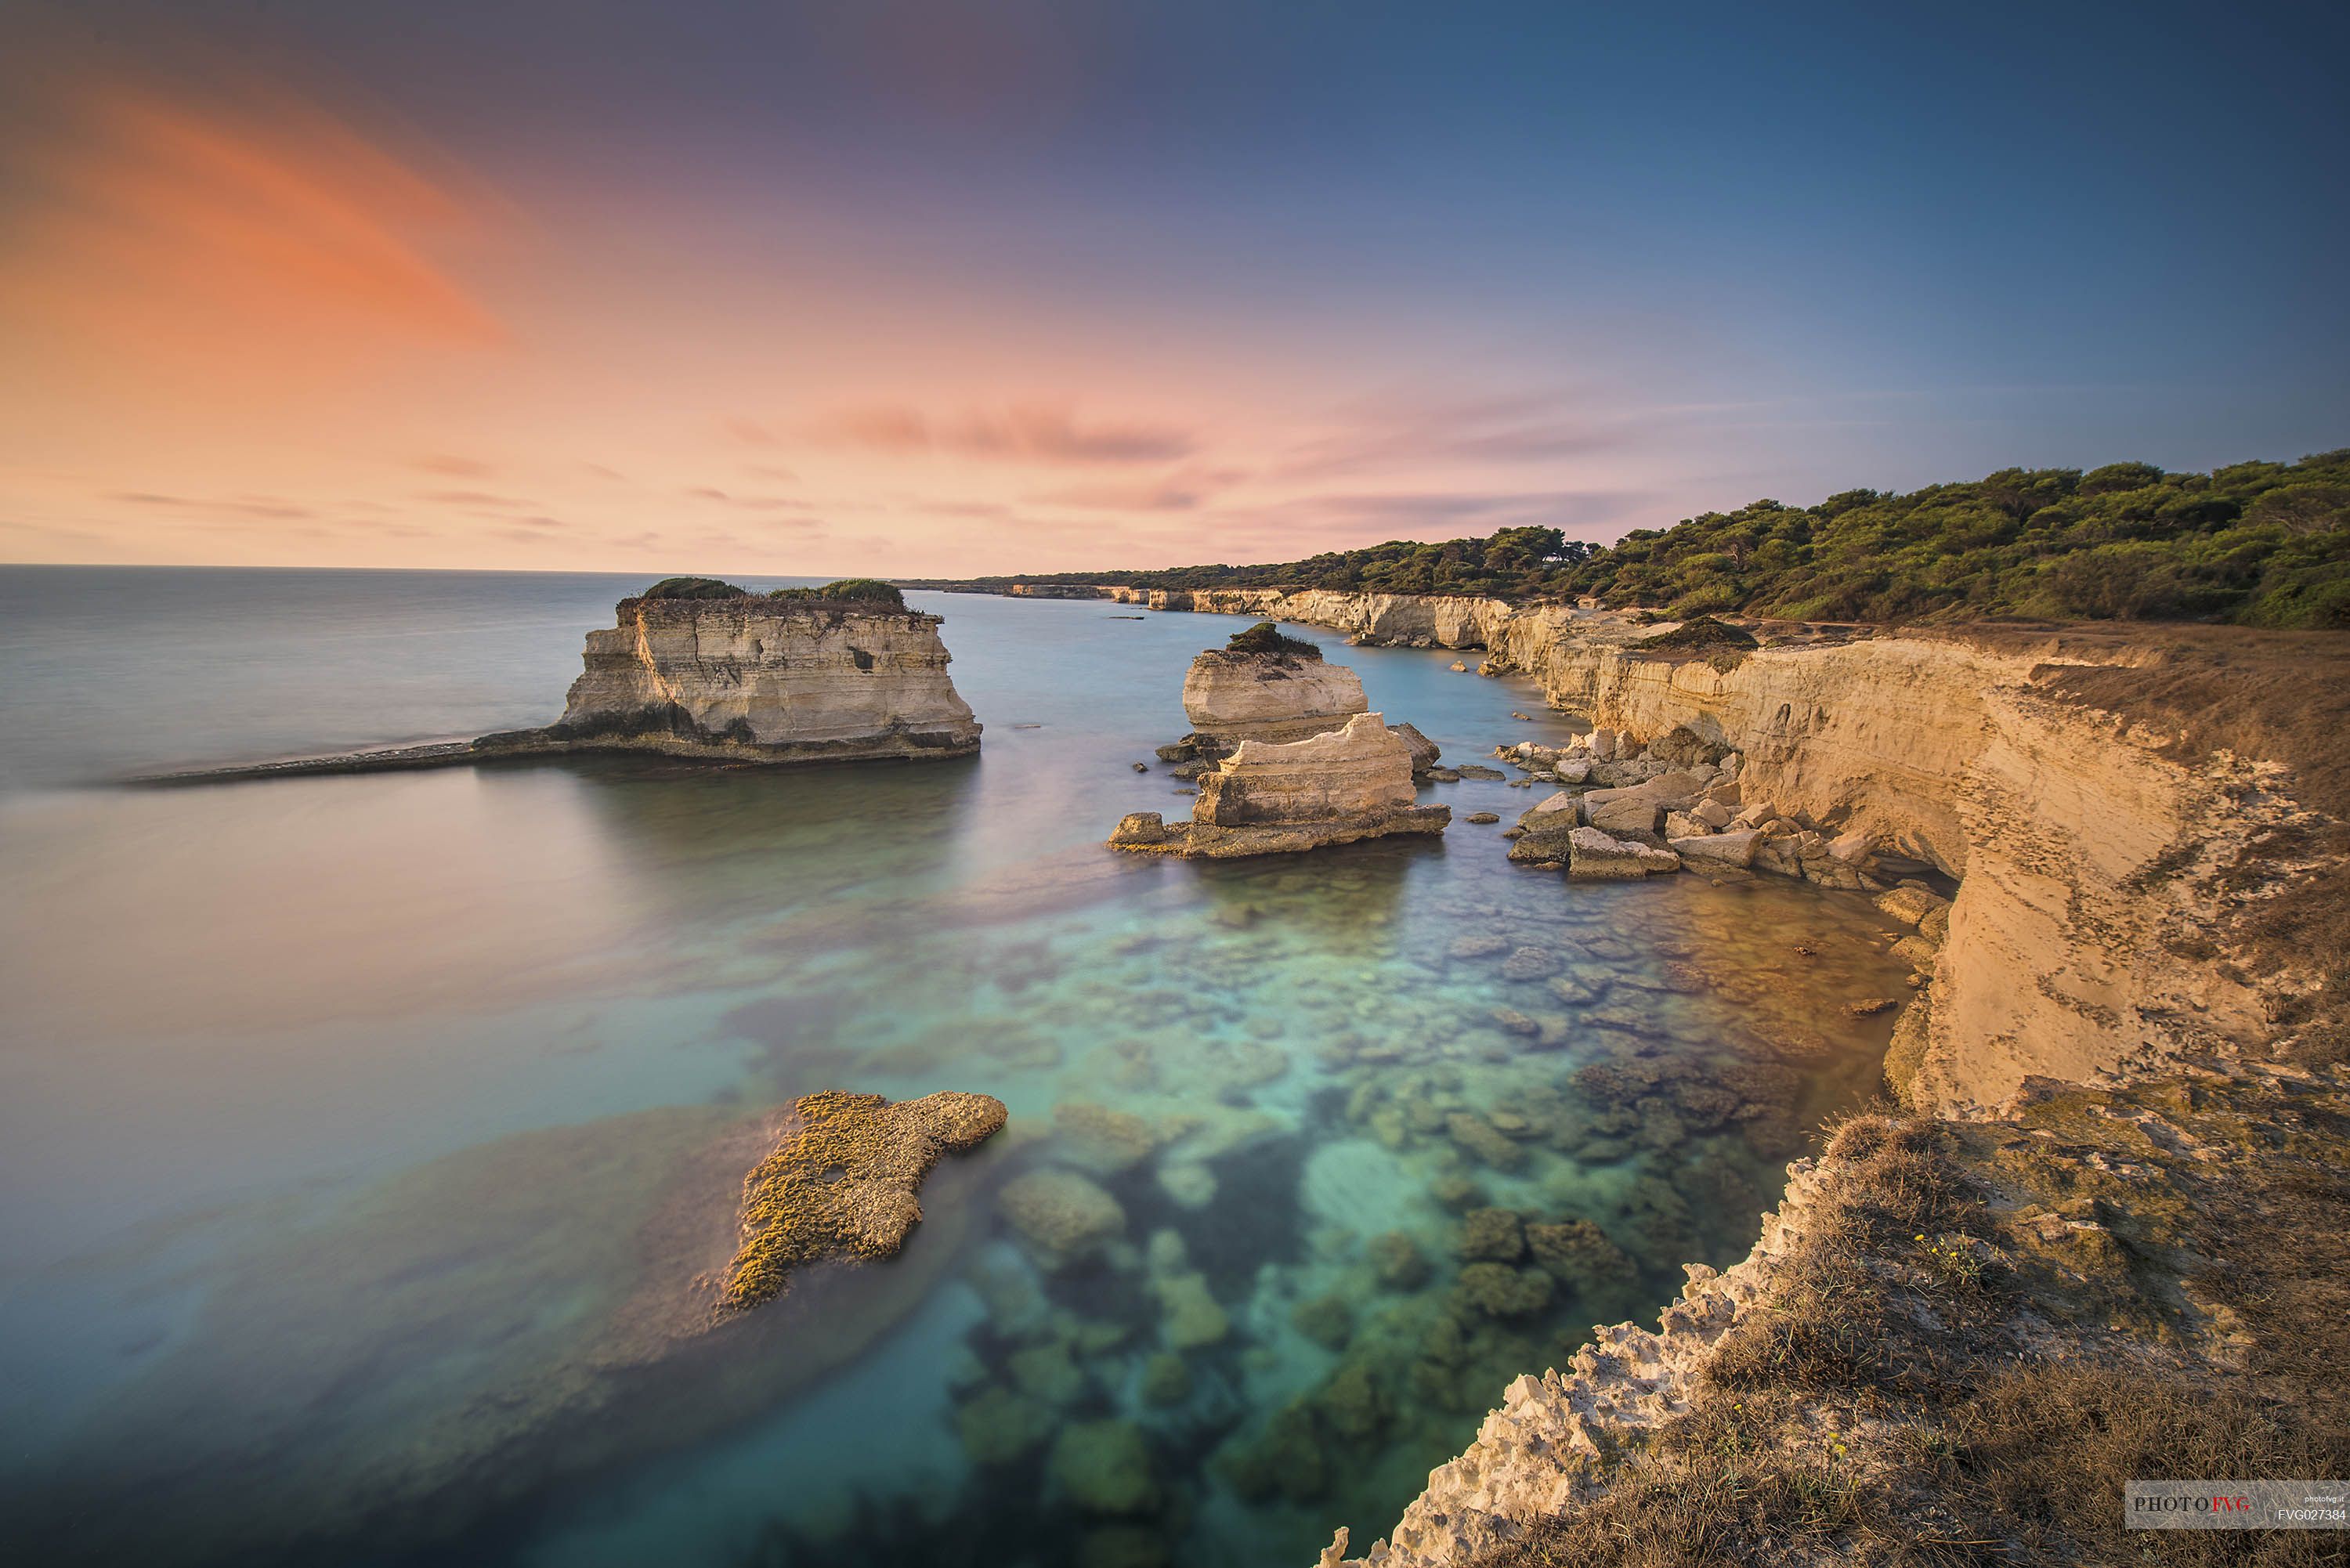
842, 1178
1338, 787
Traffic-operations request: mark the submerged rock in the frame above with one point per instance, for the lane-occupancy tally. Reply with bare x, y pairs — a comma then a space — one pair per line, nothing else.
1498, 1290
842, 1180
1062, 1215
1105, 1468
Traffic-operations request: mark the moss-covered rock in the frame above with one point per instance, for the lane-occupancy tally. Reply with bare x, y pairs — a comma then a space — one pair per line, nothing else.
841, 1180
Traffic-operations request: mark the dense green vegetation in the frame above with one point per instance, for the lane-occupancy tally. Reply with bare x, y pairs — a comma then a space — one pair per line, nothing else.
1266, 638
858, 590
867, 590
693, 588
2260, 544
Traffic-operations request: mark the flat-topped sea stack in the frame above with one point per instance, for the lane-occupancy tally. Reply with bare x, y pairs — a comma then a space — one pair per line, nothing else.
1266, 687
1271, 799
696, 667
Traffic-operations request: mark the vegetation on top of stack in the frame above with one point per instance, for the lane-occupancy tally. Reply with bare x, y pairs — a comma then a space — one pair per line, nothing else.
2259, 544
864, 591
694, 588
848, 590
1266, 638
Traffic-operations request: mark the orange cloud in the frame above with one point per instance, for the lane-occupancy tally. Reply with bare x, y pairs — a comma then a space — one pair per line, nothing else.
159, 225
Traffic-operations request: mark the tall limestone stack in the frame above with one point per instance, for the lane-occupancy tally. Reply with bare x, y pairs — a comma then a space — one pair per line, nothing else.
1271, 799
1265, 685
707, 669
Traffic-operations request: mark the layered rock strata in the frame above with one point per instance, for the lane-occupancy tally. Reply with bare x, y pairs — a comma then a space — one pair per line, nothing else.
1268, 798
754, 679
1234, 697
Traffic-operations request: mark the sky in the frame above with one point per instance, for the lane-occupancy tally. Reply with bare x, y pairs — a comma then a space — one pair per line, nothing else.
925, 287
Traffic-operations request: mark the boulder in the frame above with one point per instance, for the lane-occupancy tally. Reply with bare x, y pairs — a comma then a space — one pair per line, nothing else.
1492, 1235
1912, 902
1637, 808
1423, 750
1732, 848
1594, 855
1061, 1215
1713, 812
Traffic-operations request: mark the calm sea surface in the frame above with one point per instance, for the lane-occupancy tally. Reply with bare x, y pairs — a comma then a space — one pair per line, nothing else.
339, 1116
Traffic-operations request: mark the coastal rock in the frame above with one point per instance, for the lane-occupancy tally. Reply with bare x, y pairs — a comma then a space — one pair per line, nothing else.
1492, 1235
1637, 808
1498, 1290
1349, 783
1594, 855
1103, 1467
1231, 697
1062, 1215
1423, 750
841, 1181
747, 677
1736, 848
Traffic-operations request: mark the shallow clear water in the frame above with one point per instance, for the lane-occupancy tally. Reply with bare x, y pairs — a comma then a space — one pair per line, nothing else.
338, 1116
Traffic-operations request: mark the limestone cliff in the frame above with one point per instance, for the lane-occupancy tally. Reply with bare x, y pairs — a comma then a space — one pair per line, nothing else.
763, 680
2086, 852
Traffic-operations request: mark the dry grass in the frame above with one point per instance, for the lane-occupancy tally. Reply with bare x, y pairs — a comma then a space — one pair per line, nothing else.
1884, 1408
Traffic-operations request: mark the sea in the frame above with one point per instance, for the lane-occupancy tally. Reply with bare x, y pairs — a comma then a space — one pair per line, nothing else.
344, 1120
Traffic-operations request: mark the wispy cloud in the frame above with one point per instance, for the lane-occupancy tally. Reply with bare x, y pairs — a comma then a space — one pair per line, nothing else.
228, 220
1041, 433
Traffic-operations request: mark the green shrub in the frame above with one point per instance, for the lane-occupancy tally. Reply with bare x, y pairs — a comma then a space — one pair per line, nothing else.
858, 590
694, 588
1266, 638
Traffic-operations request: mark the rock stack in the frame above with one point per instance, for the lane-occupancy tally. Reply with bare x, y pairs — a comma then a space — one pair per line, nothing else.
1269, 798
709, 669
1265, 685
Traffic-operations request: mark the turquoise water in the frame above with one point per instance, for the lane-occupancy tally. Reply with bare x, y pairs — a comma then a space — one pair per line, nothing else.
342, 1120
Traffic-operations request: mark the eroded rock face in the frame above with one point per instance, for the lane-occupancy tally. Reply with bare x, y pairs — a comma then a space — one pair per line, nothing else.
1236, 697
1266, 798
755, 678
1359, 767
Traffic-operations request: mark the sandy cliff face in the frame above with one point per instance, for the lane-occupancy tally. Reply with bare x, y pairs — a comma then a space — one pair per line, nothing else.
1236, 697
769, 680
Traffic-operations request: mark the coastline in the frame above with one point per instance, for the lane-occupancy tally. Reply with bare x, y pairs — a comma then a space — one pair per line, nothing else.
2111, 961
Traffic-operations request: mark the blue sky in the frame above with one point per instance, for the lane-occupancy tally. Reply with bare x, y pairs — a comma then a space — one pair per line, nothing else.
1366, 269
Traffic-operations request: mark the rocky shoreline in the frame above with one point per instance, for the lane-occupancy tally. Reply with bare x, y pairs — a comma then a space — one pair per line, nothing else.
2092, 1008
